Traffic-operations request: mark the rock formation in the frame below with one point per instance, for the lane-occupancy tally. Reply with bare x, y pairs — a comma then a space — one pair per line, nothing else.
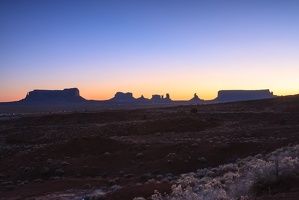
242, 95
195, 99
72, 95
160, 98
156, 97
167, 97
142, 99
121, 97
53, 96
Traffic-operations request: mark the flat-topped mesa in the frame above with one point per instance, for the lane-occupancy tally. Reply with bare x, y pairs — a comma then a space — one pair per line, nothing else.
160, 98
53, 96
121, 97
242, 95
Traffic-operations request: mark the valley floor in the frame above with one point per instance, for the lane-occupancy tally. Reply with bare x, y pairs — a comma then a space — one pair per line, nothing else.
130, 153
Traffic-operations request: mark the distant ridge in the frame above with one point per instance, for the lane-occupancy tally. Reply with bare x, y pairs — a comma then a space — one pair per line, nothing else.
67, 100
72, 95
53, 96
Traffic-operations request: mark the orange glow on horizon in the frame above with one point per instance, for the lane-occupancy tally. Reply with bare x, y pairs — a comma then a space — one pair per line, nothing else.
108, 94
174, 96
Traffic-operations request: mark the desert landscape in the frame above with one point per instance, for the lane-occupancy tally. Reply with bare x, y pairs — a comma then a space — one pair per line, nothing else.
178, 100
131, 153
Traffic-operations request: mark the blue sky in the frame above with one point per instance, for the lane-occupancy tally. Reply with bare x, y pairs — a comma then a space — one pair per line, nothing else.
148, 47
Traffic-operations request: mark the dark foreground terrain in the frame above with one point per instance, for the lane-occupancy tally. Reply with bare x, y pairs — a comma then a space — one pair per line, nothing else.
131, 153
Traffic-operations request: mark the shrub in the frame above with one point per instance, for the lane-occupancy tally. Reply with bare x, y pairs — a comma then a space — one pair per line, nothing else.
193, 110
239, 180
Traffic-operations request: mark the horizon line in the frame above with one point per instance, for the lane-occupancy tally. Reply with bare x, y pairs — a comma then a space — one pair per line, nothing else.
194, 94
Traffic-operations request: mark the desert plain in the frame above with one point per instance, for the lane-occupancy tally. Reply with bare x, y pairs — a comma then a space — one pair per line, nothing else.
128, 153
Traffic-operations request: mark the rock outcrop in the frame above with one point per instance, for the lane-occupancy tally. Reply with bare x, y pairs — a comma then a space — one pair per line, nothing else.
242, 95
121, 97
160, 98
196, 99
142, 99
53, 96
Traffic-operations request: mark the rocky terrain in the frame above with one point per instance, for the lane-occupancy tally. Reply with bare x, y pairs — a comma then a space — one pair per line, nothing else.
122, 154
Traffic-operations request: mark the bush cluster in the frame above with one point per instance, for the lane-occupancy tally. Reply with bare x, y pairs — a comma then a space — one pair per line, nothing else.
238, 180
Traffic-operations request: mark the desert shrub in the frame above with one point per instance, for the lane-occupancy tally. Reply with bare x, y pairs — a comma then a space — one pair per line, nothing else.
239, 180
139, 198
193, 110
96, 195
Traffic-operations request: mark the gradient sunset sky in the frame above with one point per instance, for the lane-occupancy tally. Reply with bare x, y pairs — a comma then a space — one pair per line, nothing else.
148, 47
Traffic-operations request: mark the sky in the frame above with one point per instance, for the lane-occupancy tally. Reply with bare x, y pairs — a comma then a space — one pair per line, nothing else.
146, 47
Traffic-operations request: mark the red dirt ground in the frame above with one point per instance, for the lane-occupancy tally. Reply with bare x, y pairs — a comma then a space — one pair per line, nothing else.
97, 150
